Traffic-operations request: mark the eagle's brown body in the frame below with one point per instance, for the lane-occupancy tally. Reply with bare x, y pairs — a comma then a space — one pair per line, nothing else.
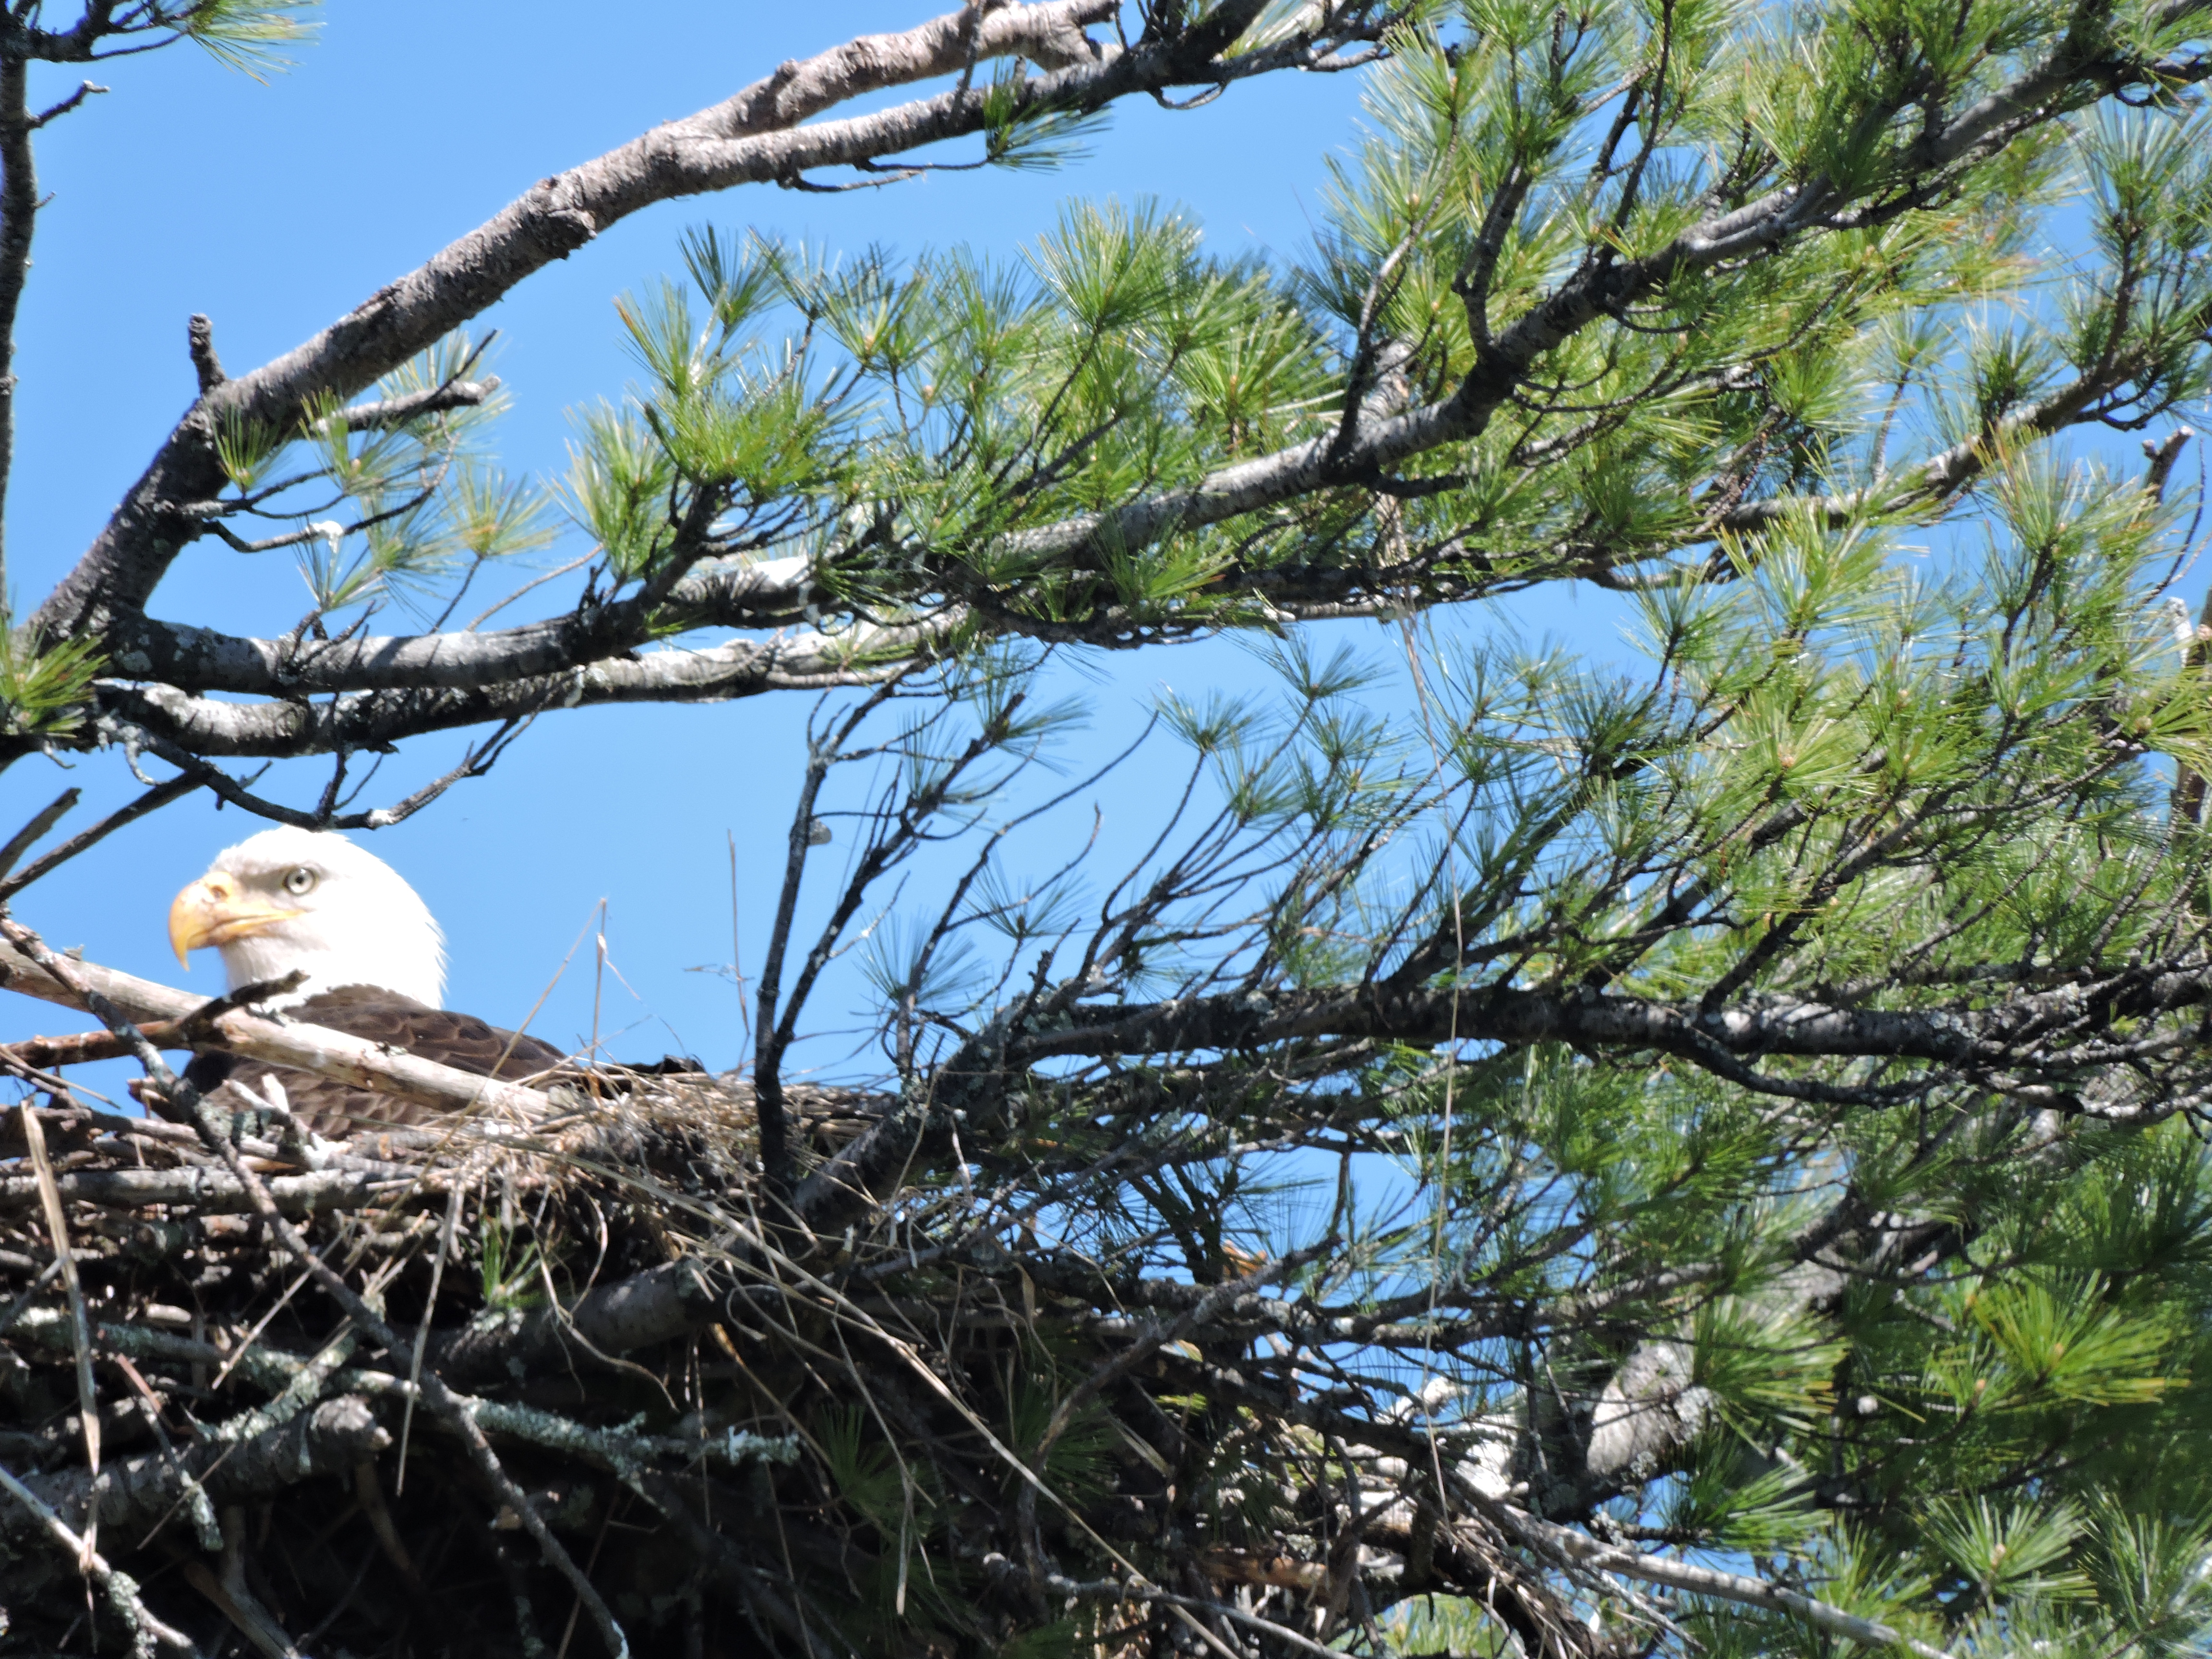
368, 1012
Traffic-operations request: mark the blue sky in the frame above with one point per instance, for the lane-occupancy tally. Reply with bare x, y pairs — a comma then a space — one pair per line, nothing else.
275, 208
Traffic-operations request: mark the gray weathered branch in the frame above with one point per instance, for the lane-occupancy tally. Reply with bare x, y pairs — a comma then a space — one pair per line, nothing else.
210, 1189
307, 1048
134, 1493
19, 210
1967, 1037
722, 595
357, 721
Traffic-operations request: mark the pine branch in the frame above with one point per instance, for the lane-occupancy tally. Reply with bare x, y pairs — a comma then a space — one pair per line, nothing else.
751, 138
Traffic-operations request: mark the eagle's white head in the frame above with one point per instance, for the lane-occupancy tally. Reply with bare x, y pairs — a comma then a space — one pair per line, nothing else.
305, 899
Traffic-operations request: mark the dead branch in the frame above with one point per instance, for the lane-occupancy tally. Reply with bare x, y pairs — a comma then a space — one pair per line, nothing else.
306, 1048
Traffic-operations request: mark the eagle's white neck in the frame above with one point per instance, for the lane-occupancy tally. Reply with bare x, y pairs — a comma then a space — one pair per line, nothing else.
399, 958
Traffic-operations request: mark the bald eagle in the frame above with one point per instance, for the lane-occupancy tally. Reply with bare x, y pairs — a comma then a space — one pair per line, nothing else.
308, 901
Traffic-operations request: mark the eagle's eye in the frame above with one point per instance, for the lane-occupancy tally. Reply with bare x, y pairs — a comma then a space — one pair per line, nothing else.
300, 882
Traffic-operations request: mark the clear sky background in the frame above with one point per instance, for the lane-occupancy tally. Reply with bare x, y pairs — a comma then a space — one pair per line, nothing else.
276, 208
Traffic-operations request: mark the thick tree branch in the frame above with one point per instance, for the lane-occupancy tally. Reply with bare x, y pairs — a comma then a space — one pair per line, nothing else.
357, 721
729, 594
212, 1192
777, 593
19, 208
2008, 1034
2003, 1047
719, 595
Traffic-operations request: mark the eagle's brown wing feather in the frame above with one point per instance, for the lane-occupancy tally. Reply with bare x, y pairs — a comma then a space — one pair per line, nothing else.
375, 1015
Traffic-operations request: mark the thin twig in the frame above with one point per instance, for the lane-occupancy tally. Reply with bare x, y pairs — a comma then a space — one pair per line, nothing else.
43, 820
88, 1396
159, 796
446, 1232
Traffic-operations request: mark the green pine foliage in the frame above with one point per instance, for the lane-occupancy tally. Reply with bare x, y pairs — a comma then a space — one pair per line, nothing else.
43, 686
247, 35
943, 432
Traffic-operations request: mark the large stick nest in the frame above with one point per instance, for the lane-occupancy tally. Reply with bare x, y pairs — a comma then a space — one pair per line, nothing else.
263, 1471
548, 1373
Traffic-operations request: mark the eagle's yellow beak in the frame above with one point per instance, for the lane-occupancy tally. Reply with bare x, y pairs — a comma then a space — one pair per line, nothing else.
215, 911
